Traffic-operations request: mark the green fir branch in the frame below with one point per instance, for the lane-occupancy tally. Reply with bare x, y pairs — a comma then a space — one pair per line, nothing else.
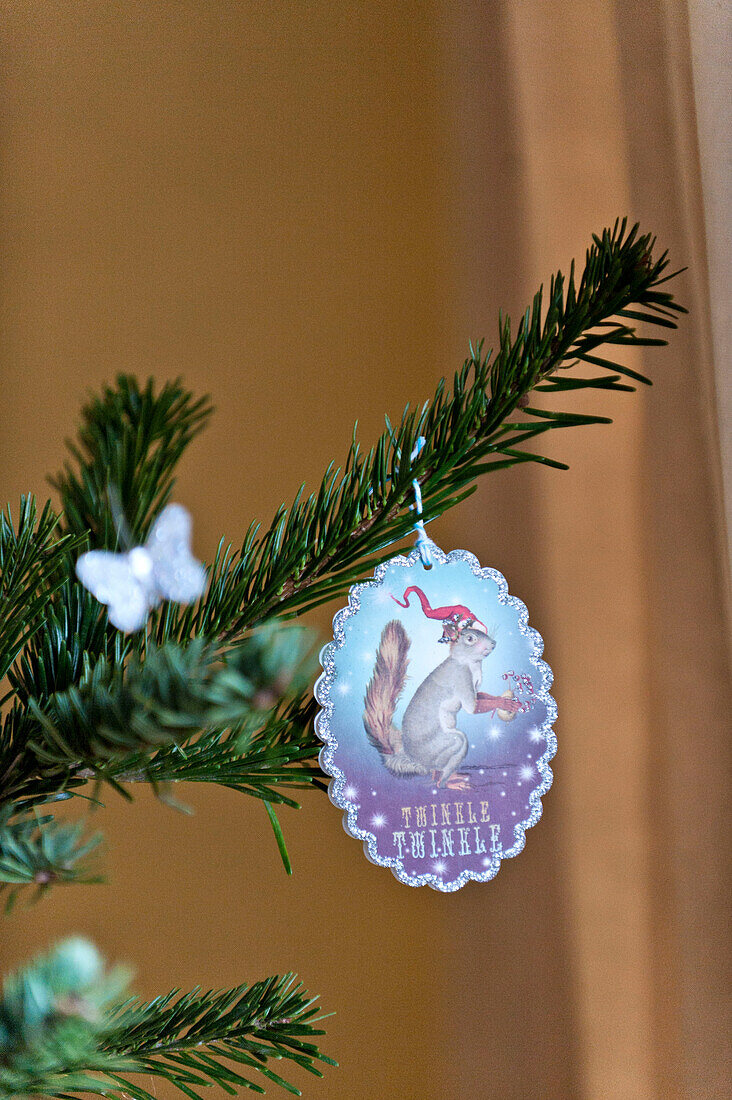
51, 1019
324, 542
75, 634
131, 440
192, 1039
173, 713
30, 558
38, 851
260, 756
61, 1033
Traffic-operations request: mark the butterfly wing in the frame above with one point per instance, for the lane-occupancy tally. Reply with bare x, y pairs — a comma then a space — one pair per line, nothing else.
110, 579
178, 575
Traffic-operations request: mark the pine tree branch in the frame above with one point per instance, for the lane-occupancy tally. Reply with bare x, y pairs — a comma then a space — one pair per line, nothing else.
30, 557
259, 757
51, 1012
190, 1039
38, 851
60, 1033
324, 542
74, 635
130, 440
181, 713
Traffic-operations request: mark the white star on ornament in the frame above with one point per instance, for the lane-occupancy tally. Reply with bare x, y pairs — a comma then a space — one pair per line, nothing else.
527, 772
378, 821
535, 735
351, 792
494, 733
440, 867
344, 689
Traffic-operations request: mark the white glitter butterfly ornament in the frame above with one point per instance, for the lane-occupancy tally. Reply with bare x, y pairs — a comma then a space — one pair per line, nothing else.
133, 583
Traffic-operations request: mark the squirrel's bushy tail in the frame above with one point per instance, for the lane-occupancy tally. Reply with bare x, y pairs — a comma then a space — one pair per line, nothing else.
382, 695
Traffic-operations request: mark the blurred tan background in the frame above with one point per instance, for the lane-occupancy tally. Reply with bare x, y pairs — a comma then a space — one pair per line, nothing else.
307, 210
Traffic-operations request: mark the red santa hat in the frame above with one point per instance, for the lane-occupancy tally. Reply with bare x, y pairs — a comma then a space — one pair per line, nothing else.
454, 617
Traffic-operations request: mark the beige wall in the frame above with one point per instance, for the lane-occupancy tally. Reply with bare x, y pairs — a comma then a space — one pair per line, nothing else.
307, 210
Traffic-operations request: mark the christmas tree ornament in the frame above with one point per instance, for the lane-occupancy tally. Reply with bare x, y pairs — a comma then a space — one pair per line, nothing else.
436, 717
133, 583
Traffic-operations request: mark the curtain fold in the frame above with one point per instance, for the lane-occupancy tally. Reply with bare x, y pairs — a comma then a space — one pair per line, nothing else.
630, 546
710, 41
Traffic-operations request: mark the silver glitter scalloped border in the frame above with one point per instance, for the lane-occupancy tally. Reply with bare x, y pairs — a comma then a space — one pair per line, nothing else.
337, 785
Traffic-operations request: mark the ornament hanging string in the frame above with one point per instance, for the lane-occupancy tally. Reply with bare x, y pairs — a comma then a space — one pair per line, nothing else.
423, 540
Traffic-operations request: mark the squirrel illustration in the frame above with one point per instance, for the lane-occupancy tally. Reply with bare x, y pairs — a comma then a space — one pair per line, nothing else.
429, 742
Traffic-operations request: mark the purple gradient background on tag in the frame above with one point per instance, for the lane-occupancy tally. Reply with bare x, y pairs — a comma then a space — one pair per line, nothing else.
502, 756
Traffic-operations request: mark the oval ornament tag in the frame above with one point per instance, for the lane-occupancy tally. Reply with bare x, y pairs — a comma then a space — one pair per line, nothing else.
436, 719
